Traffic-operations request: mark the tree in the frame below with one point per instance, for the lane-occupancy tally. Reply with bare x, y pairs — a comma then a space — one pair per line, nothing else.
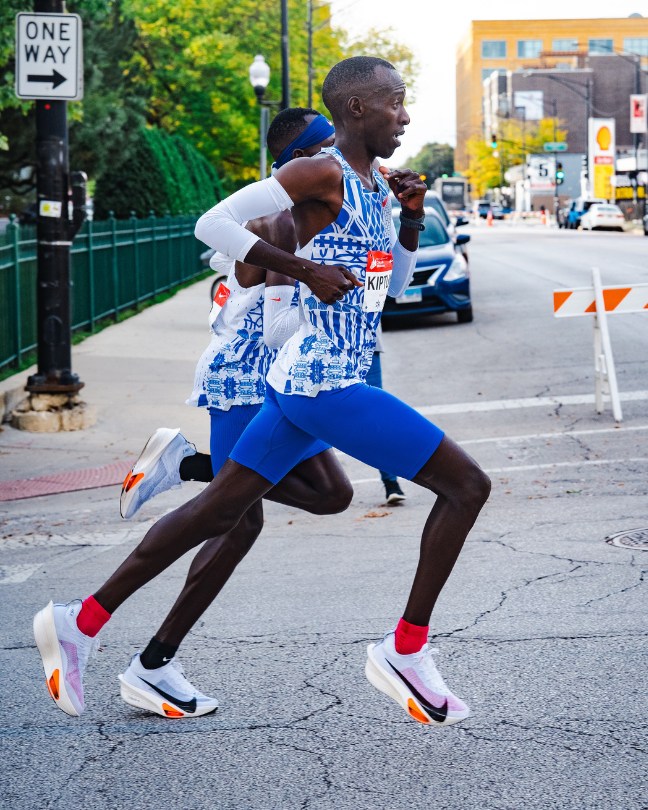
487, 166
163, 174
103, 126
434, 160
194, 56
181, 66
386, 44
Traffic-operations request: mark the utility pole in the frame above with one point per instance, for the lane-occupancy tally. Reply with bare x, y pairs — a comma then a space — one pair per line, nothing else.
285, 60
556, 201
310, 53
50, 85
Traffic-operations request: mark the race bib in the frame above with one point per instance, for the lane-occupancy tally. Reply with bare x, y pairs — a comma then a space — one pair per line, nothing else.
379, 270
220, 299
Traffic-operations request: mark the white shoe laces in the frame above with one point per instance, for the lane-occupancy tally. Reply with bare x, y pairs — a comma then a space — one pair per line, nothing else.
427, 668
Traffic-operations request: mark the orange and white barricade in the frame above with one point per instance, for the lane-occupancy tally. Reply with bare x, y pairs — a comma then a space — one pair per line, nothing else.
600, 301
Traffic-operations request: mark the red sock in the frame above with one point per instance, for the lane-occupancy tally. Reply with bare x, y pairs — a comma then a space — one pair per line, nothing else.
92, 617
410, 637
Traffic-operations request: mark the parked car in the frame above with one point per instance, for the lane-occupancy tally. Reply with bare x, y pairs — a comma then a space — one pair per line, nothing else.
433, 201
576, 210
645, 224
498, 211
604, 216
441, 281
482, 207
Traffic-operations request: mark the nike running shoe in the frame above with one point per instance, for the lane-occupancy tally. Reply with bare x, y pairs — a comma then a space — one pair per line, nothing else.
393, 492
414, 682
156, 470
163, 690
65, 651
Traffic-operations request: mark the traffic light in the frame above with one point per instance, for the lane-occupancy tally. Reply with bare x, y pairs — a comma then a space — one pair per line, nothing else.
560, 174
493, 141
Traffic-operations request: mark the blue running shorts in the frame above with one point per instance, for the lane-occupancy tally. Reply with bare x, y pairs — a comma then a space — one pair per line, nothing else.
225, 430
367, 423
227, 427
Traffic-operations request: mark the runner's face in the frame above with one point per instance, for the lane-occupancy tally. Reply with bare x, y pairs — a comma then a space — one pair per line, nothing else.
385, 113
316, 148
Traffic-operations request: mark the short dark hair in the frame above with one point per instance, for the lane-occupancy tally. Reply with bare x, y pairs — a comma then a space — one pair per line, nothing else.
348, 78
285, 127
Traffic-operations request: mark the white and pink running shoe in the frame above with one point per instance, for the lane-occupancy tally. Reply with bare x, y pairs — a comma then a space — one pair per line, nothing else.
65, 651
156, 470
414, 682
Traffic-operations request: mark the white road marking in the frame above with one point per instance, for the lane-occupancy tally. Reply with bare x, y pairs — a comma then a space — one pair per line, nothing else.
516, 404
548, 466
557, 464
83, 546
81, 540
14, 574
619, 430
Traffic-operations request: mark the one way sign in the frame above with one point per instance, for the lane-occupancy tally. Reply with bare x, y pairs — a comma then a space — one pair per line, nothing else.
49, 56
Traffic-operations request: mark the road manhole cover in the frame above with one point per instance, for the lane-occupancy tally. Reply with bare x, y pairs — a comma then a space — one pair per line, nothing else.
635, 539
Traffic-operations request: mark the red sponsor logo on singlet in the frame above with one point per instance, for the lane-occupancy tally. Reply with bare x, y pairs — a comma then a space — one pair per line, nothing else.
221, 296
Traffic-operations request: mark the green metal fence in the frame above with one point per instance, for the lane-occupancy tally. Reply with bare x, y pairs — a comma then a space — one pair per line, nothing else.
115, 265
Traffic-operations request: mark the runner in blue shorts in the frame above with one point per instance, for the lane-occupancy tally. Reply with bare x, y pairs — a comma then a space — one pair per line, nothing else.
342, 220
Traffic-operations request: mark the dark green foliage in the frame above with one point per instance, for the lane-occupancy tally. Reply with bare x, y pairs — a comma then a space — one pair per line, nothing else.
163, 174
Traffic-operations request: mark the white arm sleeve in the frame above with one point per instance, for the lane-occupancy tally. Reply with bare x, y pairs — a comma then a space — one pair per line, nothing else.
221, 264
280, 316
222, 226
404, 265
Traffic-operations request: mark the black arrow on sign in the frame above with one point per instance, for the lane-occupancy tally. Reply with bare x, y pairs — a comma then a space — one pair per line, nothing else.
55, 79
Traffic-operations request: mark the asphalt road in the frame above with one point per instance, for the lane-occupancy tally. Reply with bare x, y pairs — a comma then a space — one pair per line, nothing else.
541, 628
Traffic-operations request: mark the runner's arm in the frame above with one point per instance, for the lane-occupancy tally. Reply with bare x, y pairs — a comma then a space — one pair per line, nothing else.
280, 315
221, 226
403, 269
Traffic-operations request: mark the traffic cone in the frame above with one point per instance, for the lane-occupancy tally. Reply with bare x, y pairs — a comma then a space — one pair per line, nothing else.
489, 218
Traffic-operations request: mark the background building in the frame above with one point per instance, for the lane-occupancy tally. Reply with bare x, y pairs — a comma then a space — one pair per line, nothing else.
563, 48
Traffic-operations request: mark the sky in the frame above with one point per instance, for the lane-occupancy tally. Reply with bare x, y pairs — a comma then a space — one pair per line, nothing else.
433, 37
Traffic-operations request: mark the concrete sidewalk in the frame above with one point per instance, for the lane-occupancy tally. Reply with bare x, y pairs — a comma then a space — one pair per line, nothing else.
137, 376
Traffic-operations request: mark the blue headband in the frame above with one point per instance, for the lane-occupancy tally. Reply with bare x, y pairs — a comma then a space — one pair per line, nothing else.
317, 131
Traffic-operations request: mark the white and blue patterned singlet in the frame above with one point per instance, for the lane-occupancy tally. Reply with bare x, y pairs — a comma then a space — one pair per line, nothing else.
334, 344
232, 369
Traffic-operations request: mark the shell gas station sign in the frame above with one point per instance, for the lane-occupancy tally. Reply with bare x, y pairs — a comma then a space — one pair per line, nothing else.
601, 157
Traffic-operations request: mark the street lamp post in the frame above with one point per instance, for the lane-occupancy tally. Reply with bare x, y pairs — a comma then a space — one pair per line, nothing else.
310, 53
285, 60
259, 78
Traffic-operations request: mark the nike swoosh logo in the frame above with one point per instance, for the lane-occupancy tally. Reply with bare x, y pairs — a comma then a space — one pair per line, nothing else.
440, 714
185, 705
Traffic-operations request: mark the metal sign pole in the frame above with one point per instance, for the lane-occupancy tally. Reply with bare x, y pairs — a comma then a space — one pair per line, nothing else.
48, 68
604, 359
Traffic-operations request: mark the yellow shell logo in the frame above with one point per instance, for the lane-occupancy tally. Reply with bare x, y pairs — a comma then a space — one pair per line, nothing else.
604, 138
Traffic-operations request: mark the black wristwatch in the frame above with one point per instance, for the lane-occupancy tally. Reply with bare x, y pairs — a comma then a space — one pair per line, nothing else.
417, 224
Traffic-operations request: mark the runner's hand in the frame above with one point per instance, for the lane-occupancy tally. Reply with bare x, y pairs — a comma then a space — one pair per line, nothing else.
330, 283
408, 188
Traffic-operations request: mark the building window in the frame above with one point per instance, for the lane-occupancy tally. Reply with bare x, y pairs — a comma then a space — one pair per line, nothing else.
529, 48
486, 72
493, 49
598, 46
638, 45
565, 45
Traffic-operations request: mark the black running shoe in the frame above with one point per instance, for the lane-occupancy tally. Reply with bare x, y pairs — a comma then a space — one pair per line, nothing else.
393, 492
